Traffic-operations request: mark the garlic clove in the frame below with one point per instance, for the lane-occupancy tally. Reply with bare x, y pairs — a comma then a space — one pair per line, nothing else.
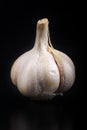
35, 78
18, 66
66, 69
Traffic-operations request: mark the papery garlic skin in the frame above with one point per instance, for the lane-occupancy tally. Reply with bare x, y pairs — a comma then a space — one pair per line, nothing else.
43, 70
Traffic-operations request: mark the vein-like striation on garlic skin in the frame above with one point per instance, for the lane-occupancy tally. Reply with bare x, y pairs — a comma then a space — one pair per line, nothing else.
43, 69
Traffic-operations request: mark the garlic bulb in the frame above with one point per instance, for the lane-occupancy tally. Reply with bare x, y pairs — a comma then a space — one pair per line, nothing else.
43, 71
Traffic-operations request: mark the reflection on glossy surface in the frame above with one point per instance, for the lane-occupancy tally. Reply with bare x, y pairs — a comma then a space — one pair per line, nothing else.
40, 117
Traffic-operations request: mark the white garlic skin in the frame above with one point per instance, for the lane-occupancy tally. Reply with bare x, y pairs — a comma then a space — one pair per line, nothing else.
39, 72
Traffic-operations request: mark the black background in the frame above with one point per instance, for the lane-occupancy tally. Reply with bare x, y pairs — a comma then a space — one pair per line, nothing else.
17, 35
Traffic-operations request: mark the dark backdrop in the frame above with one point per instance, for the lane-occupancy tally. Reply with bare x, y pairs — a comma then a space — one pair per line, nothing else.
17, 35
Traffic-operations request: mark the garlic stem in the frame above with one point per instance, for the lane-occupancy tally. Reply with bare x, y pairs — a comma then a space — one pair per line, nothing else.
41, 41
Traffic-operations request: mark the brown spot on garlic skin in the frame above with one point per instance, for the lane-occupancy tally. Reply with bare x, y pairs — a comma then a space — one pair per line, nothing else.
43, 71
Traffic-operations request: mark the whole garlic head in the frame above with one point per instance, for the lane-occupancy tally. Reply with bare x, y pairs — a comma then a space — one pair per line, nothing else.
43, 71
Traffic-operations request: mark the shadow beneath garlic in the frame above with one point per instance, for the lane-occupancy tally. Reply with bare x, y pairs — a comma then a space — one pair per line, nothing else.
40, 117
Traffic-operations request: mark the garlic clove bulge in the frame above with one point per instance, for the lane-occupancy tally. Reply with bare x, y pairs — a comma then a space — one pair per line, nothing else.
43, 71
66, 69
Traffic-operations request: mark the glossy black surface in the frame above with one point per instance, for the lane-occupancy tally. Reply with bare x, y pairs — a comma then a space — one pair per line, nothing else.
57, 114
17, 35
